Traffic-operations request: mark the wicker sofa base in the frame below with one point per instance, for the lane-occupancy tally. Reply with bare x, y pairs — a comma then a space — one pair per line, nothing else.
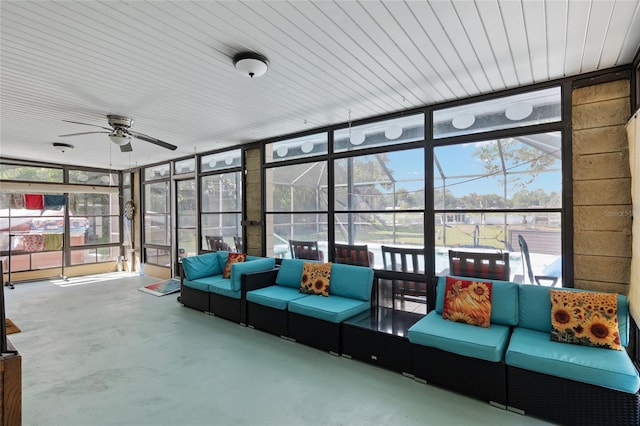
271, 320
228, 308
194, 298
569, 402
470, 376
317, 333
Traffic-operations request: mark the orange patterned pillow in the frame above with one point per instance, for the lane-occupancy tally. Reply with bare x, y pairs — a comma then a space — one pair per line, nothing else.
233, 258
315, 278
467, 301
585, 318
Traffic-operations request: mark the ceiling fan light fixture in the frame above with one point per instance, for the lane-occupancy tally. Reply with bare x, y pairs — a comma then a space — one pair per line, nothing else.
119, 137
251, 63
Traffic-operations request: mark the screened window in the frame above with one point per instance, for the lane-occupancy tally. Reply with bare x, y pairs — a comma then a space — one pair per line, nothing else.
31, 173
302, 147
184, 166
380, 199
157, 223
93, 177
94, 219
497, 195
381, 133
221, 161
221, 206
297, 202
526, 109
161, 171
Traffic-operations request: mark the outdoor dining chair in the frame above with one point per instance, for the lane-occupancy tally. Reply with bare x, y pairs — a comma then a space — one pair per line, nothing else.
477, 264
526, 261
306, 250
358, 255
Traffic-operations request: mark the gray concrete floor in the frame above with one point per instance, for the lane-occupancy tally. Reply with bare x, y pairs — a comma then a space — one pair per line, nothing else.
96, 351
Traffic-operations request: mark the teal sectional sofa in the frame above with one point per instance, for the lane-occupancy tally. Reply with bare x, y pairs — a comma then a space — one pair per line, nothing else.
203, 287
514, 364
567, 383
466, 358
310, 319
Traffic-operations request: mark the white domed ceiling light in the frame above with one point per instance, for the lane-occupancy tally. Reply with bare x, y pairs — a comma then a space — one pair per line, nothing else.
519, 111
463, 121
251, 64
119, 137
282, 151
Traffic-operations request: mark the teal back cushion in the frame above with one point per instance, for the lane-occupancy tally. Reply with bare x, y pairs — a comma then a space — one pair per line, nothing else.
504, 300
203, 265
222, 259
535, 310
354, 282
290, 272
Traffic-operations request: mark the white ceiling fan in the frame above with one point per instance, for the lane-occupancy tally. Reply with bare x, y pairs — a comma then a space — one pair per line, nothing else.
120, 133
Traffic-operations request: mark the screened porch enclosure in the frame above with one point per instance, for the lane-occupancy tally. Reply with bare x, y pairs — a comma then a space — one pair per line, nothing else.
485, 195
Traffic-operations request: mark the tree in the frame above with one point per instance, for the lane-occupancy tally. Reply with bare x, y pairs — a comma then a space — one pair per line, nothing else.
502, 157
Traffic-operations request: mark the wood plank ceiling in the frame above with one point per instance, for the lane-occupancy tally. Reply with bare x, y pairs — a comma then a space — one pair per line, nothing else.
168, 65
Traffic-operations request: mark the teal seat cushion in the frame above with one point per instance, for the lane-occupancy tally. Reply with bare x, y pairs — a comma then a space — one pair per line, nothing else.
255, 264
533, 350
504, 300
290, 272
223, 287
332, 309
535, 310
354, 282
275, 296
472, 341
205, 283
203, 265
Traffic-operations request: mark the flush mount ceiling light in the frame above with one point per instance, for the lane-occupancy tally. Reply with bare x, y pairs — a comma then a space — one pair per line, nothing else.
63, 147
463, 121
119, 137
519, 111
251, 63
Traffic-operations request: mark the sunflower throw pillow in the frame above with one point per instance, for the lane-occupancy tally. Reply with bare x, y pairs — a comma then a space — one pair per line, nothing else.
233, 258
467, 301
585, 318
315, 278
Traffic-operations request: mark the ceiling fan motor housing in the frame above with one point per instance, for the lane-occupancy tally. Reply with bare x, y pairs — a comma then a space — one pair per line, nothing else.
116, 121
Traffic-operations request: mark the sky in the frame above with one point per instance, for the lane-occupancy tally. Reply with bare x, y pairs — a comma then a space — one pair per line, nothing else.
458, 160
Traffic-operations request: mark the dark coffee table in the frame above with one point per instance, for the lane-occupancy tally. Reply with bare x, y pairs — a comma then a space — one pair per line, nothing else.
379, 336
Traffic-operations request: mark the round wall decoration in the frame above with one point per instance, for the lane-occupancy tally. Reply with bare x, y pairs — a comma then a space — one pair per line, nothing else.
129, 209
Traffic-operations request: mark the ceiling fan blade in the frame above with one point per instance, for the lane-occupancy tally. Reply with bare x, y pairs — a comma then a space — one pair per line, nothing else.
155, 141
78, 134
126, 147
87, 124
